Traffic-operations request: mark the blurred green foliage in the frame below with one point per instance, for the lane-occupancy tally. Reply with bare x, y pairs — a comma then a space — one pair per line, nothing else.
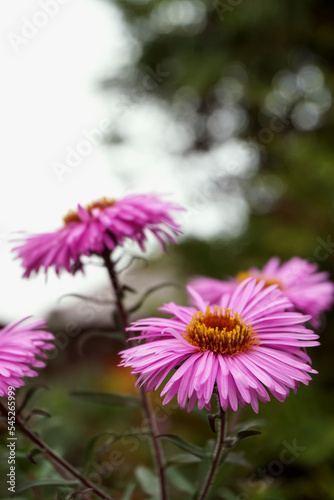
247, 56
272, 60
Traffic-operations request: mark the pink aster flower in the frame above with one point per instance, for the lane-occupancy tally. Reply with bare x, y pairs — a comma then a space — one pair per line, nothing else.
21, 346
309, 291
243, 346
102, 225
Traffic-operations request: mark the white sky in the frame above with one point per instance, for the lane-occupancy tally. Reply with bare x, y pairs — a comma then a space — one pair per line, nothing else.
49, 97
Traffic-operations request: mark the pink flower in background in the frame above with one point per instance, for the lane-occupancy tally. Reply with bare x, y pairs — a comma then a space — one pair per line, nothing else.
21, 344
245, 344
102, 225
309, 291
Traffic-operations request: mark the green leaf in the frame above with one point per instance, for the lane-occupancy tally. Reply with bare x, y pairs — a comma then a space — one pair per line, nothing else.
184, 445
107, 398
227, 494
20, 454
148, 292
29, 395
127, 288
182, 459
248, 433
37, 411
31, 456
148, 482
212, 422
132, 259
249, 424
115, 437
234, 439
237, 459
130, 433
48, 482
91, 444
210, 447
88, 299
128, 492
73, 495
180, 482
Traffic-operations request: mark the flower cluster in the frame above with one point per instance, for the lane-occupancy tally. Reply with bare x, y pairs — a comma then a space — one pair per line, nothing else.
95, 229
21, 345
244, 338
309, 291
247, 342
104, 224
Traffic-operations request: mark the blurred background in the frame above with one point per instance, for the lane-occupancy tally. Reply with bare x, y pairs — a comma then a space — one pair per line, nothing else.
226, 106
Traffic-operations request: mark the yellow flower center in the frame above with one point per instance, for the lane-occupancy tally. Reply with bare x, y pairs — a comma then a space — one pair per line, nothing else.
220, 331
102, 204
259, 277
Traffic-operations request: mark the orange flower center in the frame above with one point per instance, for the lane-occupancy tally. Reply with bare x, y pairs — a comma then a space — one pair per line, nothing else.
220, 332
102, 204
259, 277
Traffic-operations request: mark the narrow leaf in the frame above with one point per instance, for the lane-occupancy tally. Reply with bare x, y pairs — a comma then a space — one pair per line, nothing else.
246, 434
227, 494
180, 482
182, 459
132, 259
184, 445
48, 482
212, 422
234, 439
128, 492
148, 482
146, 294
37, 411
127, 288
76, 494
88, 299
115, 437
91, 444
31, 456
243, 426
237, 459
29, 395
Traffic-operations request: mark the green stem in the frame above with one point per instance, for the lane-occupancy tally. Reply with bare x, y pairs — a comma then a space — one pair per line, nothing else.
51, 456
159, 462
217, 454
117, 289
